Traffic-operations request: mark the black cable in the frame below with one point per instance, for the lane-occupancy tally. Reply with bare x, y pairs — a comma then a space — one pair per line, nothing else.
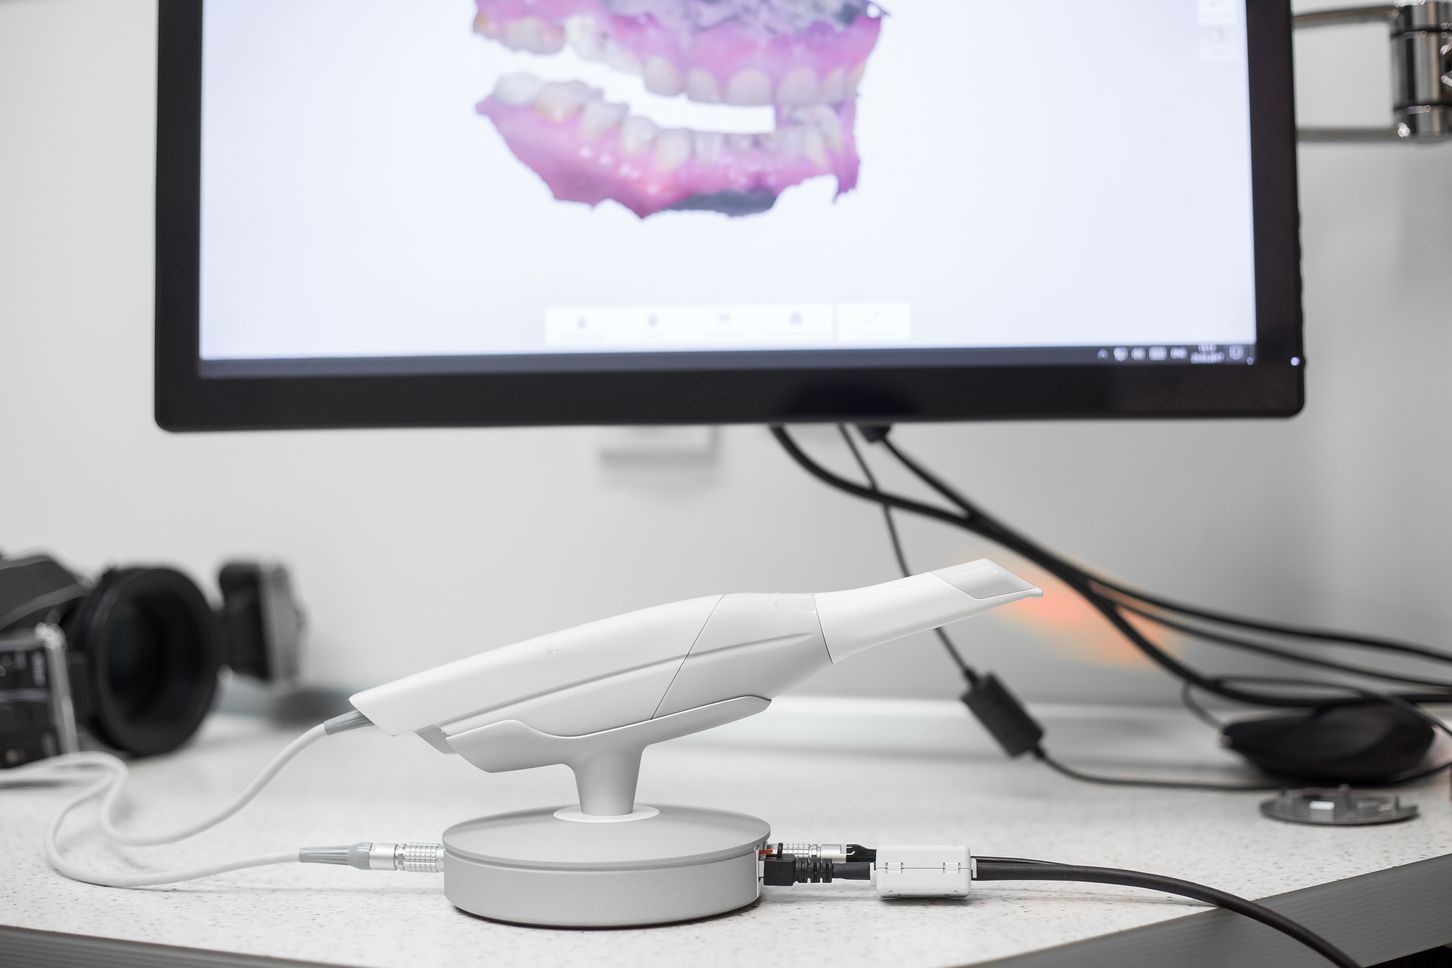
1272, 628
991, 524
1038, 751
969, 673
1285, 655
978, 522
1052, 762
987, 521
1012, 869
1056, 567
1126, 781
1187, 699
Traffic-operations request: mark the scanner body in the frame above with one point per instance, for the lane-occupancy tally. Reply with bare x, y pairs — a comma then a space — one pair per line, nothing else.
593, 696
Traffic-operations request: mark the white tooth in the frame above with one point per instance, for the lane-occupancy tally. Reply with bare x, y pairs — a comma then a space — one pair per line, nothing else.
518, 89
560, 102
585, 38
598, 117
834, 86
798, 88
784, 142
701, 86
854, 78
748, 88
661, 77
672, 149
824, 120
534, 35
522, 33
831, 127
741, 144
636, 134
709, 145
621, 59
549, 39
814, 146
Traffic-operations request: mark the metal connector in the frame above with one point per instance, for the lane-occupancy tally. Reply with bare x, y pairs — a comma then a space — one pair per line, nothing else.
415, 858
1421, 55
821, 851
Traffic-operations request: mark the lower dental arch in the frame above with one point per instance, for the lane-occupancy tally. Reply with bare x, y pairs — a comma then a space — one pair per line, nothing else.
805, 58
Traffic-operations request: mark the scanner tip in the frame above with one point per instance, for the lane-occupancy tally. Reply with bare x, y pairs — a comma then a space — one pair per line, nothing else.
984, 579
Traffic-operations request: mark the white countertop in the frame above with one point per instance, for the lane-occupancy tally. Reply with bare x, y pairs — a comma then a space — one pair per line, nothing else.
817, 770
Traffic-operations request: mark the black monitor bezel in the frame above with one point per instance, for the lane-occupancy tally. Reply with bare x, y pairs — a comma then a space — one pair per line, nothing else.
188, 401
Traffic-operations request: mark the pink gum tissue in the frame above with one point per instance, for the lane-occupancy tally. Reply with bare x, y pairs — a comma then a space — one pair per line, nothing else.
821, 64
649, 170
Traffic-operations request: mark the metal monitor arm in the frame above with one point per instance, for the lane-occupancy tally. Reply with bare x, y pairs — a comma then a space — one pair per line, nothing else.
1421, 53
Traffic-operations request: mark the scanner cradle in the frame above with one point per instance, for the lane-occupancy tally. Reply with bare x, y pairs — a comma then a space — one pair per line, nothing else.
595, 696
606, 764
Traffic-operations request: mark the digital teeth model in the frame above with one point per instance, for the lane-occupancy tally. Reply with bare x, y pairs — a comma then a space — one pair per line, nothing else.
804, 58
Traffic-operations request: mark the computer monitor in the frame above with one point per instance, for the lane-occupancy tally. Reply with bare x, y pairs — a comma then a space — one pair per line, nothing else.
524, 212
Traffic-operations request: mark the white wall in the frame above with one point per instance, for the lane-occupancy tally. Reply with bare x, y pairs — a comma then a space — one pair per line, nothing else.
411, 548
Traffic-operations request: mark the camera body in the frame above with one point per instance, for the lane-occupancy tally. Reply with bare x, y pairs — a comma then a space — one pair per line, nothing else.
37, 719
133, 656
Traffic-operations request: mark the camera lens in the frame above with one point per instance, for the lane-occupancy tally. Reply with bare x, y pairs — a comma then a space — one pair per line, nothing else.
151, 642
134, 659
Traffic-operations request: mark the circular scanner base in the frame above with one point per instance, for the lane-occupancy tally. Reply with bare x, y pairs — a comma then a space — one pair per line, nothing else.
537, 868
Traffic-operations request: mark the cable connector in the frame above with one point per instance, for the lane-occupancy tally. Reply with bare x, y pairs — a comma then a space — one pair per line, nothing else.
898, 871
782, 865
415, 858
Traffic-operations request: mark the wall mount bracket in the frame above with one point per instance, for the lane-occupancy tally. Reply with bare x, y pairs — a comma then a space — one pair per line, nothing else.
1421, 56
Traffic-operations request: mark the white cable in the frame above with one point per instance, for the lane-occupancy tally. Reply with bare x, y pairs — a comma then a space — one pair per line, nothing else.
114, 774
114, 782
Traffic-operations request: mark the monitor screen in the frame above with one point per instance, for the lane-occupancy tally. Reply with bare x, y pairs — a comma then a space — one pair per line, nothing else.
593, 188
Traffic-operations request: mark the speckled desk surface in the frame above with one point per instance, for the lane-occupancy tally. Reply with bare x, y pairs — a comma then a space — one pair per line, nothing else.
904, 782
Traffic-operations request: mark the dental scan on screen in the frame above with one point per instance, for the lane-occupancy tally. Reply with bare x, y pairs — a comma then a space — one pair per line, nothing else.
511, 178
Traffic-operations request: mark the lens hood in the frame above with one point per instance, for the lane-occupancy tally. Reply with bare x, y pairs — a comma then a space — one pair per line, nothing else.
149, 642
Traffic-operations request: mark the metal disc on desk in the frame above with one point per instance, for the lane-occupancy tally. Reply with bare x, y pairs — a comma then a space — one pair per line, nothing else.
558, 868
1341, 807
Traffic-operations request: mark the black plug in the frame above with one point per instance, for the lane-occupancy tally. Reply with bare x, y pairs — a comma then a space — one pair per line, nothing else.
784, 870
1005, 718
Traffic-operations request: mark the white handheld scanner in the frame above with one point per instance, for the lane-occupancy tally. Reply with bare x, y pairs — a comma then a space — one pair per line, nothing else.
594, 696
